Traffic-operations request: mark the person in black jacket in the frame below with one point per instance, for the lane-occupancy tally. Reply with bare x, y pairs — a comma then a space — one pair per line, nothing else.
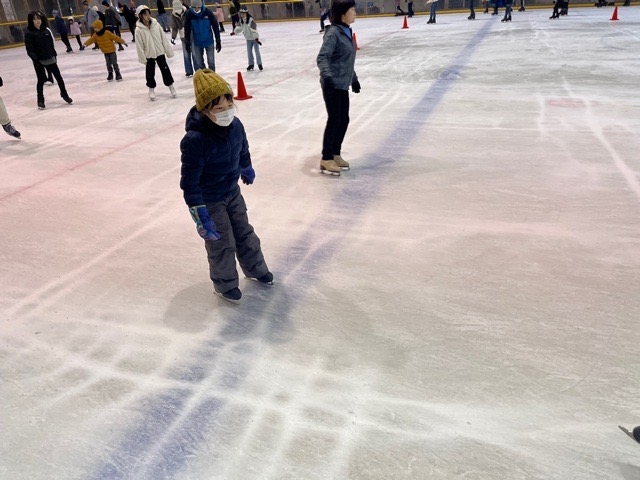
61, 28
39, 44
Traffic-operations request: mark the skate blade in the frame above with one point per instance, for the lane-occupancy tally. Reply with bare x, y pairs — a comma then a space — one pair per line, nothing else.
235, 302
329, 172
628, 433
268, 284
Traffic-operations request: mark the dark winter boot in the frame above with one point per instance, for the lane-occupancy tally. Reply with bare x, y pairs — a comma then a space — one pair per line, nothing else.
15, 133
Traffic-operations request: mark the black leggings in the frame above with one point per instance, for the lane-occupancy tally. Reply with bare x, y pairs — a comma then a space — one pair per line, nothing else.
43, 72
337, 103
167, 79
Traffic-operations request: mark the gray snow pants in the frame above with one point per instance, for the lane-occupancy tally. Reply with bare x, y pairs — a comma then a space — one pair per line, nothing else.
237, 239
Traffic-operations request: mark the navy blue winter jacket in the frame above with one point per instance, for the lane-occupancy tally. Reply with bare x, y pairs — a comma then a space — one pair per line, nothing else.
212, 157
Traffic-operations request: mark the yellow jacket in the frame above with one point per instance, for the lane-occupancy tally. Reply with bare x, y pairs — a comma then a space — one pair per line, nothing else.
105, 41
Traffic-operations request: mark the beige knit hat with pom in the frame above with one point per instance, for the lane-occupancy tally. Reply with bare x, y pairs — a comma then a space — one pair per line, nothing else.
207, 86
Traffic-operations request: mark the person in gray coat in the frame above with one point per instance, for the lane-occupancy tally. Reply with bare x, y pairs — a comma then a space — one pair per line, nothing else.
90, 16
336, 62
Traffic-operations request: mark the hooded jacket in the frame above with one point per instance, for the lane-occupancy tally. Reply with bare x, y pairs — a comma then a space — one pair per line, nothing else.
103, 38
212, 158
151, 41
200, 27
177, 19
39, 43
337, 57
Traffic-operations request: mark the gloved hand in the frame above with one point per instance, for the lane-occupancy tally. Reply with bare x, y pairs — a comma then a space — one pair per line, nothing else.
258, 41
248, 175
355, 87
218, 46
188, 47
173, 41
328, 83
204, 224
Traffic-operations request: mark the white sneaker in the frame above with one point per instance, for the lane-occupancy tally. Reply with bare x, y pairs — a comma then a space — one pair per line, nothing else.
174, 94
152, 94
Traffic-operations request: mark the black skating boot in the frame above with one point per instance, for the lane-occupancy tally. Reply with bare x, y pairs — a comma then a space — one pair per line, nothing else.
110, 77
249, 68
471, 17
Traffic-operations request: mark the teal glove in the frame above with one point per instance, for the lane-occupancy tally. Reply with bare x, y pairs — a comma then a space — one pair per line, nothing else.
204, 224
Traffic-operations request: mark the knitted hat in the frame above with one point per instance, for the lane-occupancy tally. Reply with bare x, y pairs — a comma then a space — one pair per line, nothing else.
105, 3
196, 3
97, 25
207, 86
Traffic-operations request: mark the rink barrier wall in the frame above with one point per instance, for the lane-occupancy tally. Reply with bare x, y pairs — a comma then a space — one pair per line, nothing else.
12, 30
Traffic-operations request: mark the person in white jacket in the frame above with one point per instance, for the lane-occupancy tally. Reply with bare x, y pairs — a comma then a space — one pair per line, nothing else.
249, 29
153, 47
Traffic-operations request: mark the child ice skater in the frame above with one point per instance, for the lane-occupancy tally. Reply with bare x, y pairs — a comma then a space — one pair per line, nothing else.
215, 154
76, 31
249, 29
153, 47
105, 40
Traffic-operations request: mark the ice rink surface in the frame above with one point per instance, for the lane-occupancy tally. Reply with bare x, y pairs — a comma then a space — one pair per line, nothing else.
463, 304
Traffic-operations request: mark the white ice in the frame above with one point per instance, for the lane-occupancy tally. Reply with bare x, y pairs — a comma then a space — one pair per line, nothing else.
463, 303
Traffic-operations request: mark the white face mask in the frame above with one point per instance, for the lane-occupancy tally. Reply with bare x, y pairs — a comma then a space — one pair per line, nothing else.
223, 119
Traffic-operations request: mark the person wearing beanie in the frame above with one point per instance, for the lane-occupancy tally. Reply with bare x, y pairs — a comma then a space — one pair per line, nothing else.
249, 29
61, 28
215, 155
177, 28
76, 31
153, 48
105, 40
200, 28
219, 13
38, 40
336, 61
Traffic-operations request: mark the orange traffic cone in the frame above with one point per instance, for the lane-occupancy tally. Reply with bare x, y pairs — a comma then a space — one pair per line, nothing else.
355, 40
615, 14
242, 91
405, 24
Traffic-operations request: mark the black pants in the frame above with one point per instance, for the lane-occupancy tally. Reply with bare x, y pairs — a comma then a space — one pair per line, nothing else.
65, 39
79, 41
167, 79
337, 103
43, 72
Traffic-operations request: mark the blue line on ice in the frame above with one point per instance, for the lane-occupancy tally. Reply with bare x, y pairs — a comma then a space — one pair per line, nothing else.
171, 427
